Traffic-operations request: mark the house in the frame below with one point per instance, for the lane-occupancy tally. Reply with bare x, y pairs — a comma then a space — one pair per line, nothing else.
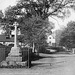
51, 40
6, 39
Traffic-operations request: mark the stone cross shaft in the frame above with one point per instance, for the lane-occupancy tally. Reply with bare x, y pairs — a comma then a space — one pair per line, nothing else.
15, 38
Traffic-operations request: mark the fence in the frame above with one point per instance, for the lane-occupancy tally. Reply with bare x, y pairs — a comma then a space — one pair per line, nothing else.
2, 54
4, 51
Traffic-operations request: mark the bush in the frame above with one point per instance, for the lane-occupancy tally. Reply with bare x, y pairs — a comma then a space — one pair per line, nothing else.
42, 49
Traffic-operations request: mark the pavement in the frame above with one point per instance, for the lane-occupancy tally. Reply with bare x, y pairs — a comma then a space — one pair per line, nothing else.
51, 64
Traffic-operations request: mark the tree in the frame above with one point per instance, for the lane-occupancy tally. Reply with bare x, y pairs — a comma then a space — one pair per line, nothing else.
1, 16
68, 36
34, 30
43, 8
32, 16
58, 36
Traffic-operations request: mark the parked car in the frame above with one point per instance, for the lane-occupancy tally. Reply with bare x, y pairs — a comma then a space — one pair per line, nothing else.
51, 49
48, 50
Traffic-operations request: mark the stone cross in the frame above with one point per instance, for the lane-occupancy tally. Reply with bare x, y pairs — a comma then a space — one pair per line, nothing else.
15, 54
15, 51
15, 38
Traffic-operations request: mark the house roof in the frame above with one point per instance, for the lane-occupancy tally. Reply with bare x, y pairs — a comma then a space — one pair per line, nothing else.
4, 38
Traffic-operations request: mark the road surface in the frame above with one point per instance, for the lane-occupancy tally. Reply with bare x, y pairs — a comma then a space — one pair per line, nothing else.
54, 64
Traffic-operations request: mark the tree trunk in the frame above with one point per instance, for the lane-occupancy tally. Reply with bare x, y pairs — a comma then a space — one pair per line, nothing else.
33, 47
37, 53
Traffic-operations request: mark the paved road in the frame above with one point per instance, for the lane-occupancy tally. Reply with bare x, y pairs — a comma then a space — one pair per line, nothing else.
60, 64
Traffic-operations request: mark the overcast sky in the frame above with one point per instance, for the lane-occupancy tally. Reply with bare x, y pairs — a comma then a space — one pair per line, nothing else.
5, 3
61, 23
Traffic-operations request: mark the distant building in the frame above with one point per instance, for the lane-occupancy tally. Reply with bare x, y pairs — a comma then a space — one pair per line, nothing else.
6, 40
51, 39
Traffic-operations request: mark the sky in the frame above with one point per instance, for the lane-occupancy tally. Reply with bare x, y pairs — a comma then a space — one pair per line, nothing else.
62, 23
5, 3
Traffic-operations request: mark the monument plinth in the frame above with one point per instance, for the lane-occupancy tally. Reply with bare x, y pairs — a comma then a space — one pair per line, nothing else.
15, 53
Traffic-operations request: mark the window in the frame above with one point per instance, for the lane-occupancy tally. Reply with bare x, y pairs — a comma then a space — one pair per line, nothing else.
49, 37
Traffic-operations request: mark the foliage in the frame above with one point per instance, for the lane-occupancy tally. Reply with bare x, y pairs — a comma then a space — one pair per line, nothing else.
42, 8
34, 29
1, 14
58, 35
68, 36
32, 17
